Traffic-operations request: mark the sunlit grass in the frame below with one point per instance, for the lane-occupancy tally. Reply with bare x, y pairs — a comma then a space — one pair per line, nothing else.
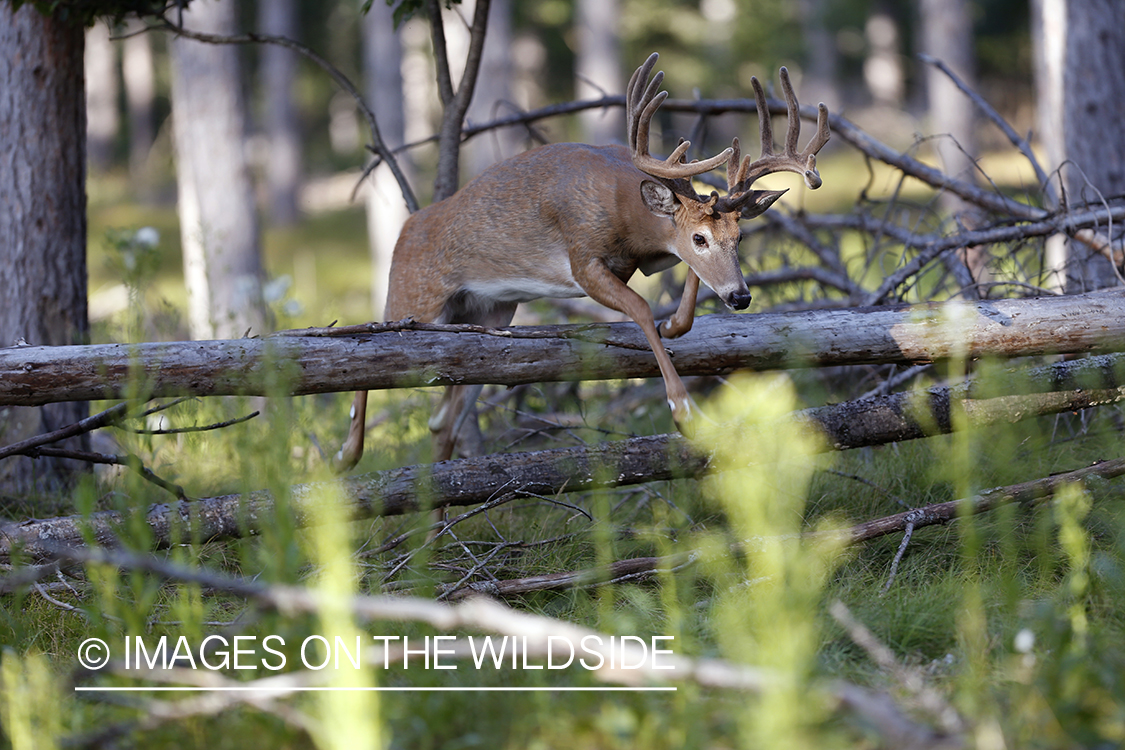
1016, 618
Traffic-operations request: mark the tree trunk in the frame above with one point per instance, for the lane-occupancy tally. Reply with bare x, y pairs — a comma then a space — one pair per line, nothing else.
882, 70
42, 217
102, 120
218, 218
386, 209
493, 94
1080, 82
822, 61
278, 75
140, 92
456, 82
947, 35
597, 69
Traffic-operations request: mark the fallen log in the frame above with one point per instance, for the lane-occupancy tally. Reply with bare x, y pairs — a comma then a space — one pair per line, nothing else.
399, 355
471, 481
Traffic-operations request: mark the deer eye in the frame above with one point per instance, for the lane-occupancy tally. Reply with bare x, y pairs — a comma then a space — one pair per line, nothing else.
699, 240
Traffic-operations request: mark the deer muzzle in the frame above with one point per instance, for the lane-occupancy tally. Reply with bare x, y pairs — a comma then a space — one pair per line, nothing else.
739, 299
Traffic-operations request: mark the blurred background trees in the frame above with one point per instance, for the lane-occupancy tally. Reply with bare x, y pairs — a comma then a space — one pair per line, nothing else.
304, 139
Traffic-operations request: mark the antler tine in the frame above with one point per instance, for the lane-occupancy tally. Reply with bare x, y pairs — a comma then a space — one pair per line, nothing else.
632, 99
641, 107
802, 162
793, 132
823, 132
765, 124
733, 164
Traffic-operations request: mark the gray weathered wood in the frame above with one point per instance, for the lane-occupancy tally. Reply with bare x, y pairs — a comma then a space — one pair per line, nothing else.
469, 481
408, 355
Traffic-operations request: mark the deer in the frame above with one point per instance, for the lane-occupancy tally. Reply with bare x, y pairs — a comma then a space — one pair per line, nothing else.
571, 220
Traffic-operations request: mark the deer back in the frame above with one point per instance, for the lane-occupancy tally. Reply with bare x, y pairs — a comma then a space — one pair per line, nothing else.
512, 233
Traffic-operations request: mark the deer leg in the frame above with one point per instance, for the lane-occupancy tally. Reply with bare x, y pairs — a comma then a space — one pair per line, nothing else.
603, 286
450, 417
682, 320
456, 413
350, 452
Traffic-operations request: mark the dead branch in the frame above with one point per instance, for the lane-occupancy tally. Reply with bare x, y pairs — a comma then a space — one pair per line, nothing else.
995, 118
112, 415
455, 102
414, 355
128, 460
201, 428
910, 679
496, 477
1025, 493
1029, 494
534, 634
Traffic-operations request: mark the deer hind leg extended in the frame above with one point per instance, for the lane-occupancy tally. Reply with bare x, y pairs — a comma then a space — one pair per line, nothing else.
352, 449
453, 425
603, 286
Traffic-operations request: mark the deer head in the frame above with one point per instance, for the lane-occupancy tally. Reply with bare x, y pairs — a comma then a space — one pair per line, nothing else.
707, 232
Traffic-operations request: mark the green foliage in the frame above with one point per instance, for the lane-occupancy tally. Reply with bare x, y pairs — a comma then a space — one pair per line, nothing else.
86, 12
404, 10
1016, 619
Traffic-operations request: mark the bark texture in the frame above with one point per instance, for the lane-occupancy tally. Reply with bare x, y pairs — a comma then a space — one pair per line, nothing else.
42, 217
218, 217
470, 481
1080, 82
402, 355
282, 126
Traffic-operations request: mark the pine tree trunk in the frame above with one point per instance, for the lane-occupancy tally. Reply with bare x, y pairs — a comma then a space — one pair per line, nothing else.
947, 34
598, 68
221, 233
1080, 82
140, 93
282, 126
386, 210
102, 117
42, 218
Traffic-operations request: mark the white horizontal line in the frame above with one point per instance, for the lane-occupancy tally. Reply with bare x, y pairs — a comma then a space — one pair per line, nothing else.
306, 689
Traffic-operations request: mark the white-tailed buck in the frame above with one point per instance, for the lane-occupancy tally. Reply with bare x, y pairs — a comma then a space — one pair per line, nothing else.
568, 220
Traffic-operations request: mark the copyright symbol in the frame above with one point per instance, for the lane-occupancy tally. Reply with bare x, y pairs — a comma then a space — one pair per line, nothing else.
93, 653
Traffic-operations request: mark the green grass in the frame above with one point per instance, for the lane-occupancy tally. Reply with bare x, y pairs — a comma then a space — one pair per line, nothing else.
958, 610
961, 595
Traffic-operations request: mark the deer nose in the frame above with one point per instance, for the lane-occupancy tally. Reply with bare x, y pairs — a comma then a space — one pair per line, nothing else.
739, 300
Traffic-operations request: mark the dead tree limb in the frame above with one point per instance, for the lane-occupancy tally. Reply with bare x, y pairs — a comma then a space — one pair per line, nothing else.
471, 481
533, 634
411, 355
641, 568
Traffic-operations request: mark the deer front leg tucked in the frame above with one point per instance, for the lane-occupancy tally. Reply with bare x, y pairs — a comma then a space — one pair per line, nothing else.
603, 286
682, 320
350, 453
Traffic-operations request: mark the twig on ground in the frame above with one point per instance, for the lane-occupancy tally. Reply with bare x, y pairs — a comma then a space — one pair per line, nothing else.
910, 680
907, 533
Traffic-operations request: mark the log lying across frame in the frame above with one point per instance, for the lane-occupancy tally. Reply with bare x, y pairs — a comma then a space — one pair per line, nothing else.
471, 481
401, 355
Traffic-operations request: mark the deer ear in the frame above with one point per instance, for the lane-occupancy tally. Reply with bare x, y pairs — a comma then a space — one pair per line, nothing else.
658, 198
